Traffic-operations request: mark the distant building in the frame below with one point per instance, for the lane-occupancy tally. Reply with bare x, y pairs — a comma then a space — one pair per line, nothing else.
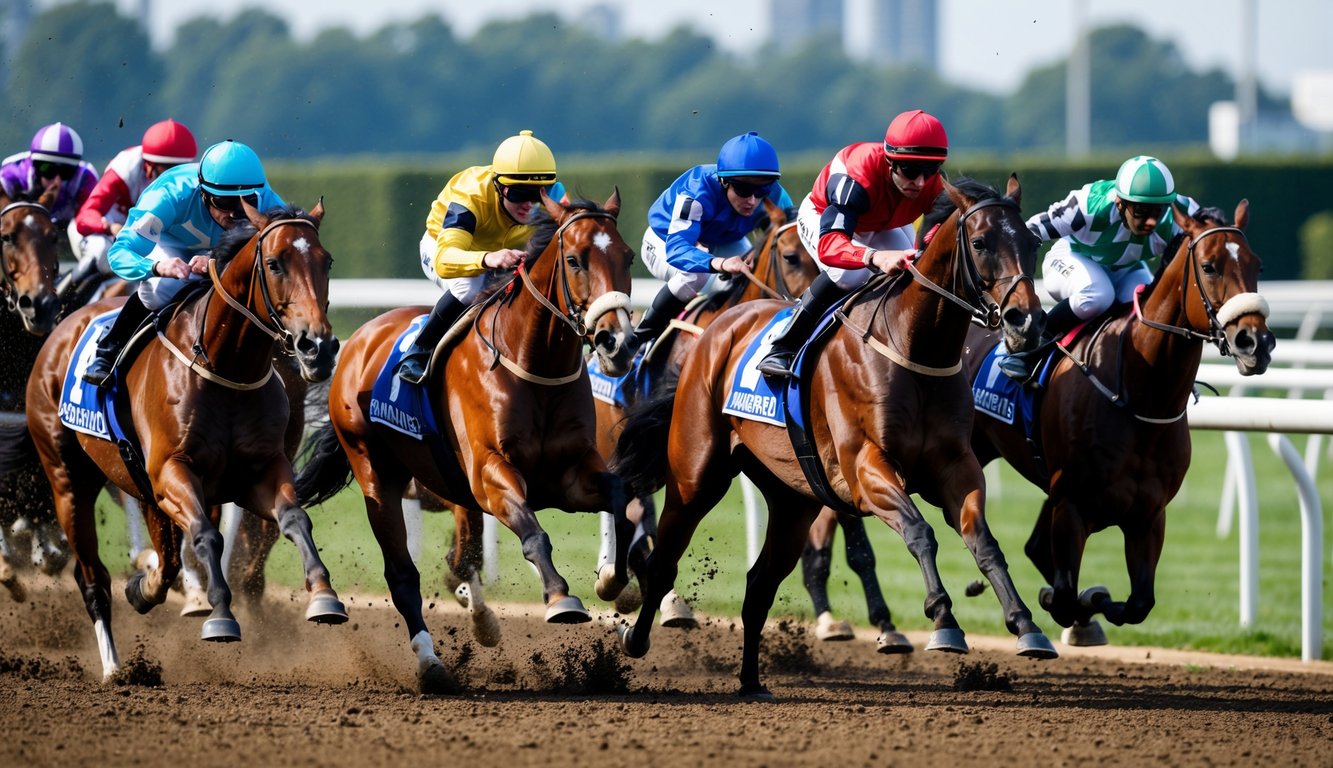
602, 21
795, 22
901, 32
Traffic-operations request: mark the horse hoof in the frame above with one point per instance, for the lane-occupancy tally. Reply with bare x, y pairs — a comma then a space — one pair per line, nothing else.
756, 693
567, 610
221, 631
196, 604
676, 613
830, 629
608, 586
16, 589
486, 627
1084, 635
1091, 597
629, 600
893, 641
947, 640
435, 680
134, 593
627, 644
1036, 645
463, 594
326, 608
452, 582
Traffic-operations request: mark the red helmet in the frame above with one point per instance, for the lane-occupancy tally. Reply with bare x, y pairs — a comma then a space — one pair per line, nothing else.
169, 143
916, 135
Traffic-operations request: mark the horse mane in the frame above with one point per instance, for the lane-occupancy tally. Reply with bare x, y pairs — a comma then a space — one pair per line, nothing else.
1209, 215
944, 206
234, 239
546, 227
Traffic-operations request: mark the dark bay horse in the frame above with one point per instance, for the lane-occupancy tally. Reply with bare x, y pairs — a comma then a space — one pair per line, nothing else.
890, 412
1112, 434
29, 263
782, 269
207, 438
515, 412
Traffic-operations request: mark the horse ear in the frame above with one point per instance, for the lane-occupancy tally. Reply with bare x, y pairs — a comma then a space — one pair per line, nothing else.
1183, 218
1242, 216
552, 206
317, 213
252, 213
48, 198
776, 217
960, 200
612, 204
1014, 191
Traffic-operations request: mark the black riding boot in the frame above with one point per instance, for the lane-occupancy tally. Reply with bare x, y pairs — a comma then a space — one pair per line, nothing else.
1021, 365
126, 323
83, 277
412, 368
821, 295
656, 318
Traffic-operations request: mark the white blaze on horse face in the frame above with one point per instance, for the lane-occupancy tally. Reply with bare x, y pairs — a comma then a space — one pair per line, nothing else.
1234, 250
302, 245
602, 241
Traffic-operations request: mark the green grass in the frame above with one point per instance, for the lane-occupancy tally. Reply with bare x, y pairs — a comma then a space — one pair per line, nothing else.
1197, 579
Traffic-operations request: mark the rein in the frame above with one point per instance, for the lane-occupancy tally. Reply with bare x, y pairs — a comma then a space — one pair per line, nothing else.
574, 317
783, 291
259, 280
7, 285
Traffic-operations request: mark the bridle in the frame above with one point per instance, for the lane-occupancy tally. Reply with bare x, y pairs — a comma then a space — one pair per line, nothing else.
774, 272
968, 280
578, 317
7, 285
273, 328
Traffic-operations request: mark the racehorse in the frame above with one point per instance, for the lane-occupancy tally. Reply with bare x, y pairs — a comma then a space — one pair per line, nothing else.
1112, 437
890, 414
28, 267
207, 438
782, 269
515, 416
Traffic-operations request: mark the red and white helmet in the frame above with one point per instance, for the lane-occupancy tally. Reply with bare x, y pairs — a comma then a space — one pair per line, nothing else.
916, 135
169, 143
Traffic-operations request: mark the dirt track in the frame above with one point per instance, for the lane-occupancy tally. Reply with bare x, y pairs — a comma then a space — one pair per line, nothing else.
298, 694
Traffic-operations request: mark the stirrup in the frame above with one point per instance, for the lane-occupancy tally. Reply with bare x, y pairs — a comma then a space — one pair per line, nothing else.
413, 369
778, 363
99, 372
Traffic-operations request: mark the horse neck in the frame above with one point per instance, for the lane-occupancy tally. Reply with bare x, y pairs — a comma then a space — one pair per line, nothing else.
530, 333
1159, 365
235, 347
924, 325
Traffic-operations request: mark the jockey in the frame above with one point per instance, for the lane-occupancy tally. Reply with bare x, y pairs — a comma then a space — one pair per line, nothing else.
475, 233
698, 226
860, 219
165, 144
54, 157
168, 233
1111, 235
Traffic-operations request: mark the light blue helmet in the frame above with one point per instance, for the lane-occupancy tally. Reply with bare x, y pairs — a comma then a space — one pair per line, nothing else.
747, 155
231, 169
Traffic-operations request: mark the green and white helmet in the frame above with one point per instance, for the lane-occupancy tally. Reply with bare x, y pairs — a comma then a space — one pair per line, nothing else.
1145, 179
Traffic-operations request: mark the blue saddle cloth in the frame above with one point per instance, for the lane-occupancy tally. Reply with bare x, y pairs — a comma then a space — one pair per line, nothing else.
85, 407
1004, 399
749, 395
395, 403
622, 391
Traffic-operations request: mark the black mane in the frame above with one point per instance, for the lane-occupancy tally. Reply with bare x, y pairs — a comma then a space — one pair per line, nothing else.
944, 206
233, 239
546, 227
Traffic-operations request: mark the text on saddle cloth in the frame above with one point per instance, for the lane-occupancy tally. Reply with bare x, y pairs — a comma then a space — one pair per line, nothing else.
86, 407
396, 404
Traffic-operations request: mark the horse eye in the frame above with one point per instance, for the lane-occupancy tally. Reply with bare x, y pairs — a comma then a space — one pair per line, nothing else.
273, 266
573, 261
7, 239
979, 243
1209, 268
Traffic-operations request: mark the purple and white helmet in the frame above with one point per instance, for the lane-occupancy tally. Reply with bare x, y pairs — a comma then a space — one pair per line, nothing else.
57, 143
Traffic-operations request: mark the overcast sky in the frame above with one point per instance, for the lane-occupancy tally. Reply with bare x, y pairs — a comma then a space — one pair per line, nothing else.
985, 43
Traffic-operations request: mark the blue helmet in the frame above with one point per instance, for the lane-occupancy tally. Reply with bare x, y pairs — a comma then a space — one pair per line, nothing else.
747, 155
231, 169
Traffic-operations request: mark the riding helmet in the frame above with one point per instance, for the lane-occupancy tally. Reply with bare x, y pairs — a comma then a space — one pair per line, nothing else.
230, 168
747, 155
524, 159
169, 143
57, 143
1145, 179
916, 135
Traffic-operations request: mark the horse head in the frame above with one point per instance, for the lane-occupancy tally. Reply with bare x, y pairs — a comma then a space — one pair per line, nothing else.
1000, 253
28, 262
288, 290
784, 264
594, 260
1225, 304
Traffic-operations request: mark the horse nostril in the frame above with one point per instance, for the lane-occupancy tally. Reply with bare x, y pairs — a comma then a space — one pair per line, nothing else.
306, 346
604, 339
1015, 318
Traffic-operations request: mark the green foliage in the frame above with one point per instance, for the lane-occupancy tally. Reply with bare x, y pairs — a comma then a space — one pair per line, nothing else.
1317, 247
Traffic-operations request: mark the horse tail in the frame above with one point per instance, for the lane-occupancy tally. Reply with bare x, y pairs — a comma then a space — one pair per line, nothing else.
640, 457
325, 469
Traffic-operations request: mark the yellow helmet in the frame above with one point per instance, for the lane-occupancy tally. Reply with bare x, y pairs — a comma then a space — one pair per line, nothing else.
524, 159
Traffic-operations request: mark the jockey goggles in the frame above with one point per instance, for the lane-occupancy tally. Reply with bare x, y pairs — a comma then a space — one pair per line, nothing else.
1144, 211
914, 169
48, 170
742, 189
231, 204
523, 193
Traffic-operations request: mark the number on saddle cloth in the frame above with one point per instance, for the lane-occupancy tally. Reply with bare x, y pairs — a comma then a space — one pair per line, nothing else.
395, 403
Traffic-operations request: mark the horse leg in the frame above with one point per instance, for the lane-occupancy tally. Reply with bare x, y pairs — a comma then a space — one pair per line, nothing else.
962, 488
75, 501
8, 575
148, 587
250, 552
1056, 547
861, 559
464, 561
816, 561
324, 606
1143, 549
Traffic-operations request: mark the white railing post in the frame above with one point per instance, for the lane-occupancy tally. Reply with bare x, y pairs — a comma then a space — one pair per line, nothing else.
1312, 544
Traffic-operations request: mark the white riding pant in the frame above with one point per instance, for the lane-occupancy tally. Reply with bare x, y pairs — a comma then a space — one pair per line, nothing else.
157, 292
468, 290
807, 226
94, 248
1090, 287
684, 285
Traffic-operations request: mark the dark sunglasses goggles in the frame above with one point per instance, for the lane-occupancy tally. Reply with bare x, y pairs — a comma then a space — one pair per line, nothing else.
231, 203
915, 169
1146, 210
523, 193
47, 170
744, 189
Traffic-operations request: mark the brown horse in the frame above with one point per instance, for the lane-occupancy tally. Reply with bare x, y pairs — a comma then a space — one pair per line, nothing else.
207, 438
28, 267
782, 269
890, 414
1112, 436
514, 409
